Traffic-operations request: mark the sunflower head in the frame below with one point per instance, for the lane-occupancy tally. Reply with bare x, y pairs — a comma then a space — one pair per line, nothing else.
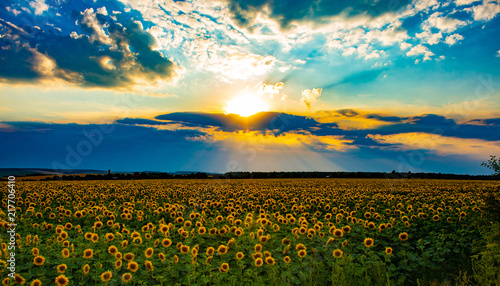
270, 260
259, 262
224, 268
61, 280
368, 242
388, 250
126, 277
338, 253
61, 268
403, 236
222, 249
106, 276
133, 266
38, 260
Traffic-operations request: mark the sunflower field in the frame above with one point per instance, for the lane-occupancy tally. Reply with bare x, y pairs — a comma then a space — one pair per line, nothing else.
249, 232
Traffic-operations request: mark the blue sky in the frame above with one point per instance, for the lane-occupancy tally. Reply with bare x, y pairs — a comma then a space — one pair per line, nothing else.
357, 86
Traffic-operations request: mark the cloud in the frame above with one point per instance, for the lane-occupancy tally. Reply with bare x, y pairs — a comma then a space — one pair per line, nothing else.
310, 96
40, 6
420, 49
440, 144
232, 64
498, 53
170, 140
465, 2
270, 90
453, 39
445, 24
104, 53
287, 12
486, 11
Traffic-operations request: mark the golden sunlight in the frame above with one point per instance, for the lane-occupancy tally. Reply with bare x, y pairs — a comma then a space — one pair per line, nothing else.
246, 105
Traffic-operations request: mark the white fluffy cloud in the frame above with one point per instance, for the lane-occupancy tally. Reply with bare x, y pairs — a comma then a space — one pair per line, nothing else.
419, 50
444, 23
453, 39
40, 6
486, 12
310, 96
464, 2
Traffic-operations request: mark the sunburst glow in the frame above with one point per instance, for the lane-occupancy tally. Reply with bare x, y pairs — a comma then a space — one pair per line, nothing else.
246, 105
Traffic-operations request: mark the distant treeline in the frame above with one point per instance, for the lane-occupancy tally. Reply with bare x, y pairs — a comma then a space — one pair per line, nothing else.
269, 175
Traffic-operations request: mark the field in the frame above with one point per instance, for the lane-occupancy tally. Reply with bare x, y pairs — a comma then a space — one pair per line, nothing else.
252, 232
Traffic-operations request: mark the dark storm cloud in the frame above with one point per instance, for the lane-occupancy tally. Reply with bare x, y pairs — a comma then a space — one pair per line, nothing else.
100, 52
286, 11
490, 122
280, 122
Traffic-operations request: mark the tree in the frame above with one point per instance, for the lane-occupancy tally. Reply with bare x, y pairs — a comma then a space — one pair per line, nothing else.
494, 164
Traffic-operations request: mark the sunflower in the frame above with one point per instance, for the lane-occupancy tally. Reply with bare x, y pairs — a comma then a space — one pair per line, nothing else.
149, 252
124, 243
61, 268
166, 242
94, 238
259, 262
368, 242
38, 260
118, 255
86, 269
287, 259
109, 236
403, 236
19, 279
222, 249
62, 280
36, 282
185, 249
202, 230
300, 246
112, 250
338, 253
240, 255
88, 253
210, 251
270, 260
65, 253
106, 276
302, 253
161, 256
6, 281
133, 266
238, 232
435, 218
224, 268
149, 265
126, 277
264, 239
176, 259
118, 264
35, 251
388, 250
344, 243
209, 259
212, 231
338, 232
128, 256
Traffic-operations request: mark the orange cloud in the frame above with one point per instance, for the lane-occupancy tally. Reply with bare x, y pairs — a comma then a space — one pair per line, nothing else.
440, 144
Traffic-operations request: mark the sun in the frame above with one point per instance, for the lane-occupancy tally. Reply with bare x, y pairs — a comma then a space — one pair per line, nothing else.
246, 105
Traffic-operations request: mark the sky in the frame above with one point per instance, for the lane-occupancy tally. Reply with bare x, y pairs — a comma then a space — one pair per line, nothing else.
258, 85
